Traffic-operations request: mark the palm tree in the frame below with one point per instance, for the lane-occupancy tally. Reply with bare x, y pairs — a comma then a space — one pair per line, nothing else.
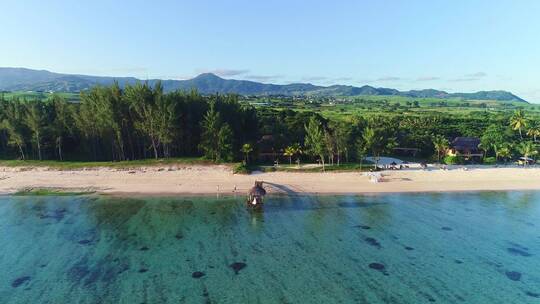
485, 148
291, 151
441, 145
246, 149
297, 151
534, 129
503, 152
518, 121
527, 149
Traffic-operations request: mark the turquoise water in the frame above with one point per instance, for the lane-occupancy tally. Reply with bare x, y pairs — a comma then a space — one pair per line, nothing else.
399, 248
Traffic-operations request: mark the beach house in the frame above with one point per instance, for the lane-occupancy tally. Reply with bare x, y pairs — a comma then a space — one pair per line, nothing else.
466, 147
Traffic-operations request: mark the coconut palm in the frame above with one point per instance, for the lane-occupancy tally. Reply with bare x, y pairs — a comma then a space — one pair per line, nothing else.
527, 149
441, 145
246, 149
518, 121
485, 148
534, 129
291, 151
504, 152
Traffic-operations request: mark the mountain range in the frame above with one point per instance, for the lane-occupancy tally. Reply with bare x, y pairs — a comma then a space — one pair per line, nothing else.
22, 79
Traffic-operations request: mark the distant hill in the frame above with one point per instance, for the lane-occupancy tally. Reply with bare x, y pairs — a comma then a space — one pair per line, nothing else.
21, 79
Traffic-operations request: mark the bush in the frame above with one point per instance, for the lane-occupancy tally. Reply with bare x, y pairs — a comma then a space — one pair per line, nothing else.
241, 168
267, 169
490, 160
453, 160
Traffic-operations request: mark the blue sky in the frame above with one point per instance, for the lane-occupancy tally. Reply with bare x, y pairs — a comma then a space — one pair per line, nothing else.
453, 45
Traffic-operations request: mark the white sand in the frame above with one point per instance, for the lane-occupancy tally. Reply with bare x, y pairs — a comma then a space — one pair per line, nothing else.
211, 179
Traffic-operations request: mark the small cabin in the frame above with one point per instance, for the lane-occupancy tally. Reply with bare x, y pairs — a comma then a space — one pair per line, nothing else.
466, 147
267, 151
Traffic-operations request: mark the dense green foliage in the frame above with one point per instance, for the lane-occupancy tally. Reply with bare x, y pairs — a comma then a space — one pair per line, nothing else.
143, 122
453, 160
112, 124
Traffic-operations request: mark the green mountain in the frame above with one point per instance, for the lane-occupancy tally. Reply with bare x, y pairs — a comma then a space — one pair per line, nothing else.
21, 79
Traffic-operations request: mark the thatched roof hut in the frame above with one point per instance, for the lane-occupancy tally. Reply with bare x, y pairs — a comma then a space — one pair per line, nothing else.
255, 196
466, 143
466, 147
257, 190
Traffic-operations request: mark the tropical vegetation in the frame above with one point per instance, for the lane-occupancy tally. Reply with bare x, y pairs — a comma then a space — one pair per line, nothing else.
138, 122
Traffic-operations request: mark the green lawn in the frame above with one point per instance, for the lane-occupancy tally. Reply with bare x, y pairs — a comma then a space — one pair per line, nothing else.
344, 167
73, 97
68, 165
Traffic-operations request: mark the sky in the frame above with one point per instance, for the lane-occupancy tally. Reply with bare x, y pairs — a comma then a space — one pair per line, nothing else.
453, 45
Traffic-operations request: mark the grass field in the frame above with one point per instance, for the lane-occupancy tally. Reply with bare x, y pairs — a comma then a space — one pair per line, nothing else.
70, 165
344, 167
347, 106
74, 165
73, 97
342, 107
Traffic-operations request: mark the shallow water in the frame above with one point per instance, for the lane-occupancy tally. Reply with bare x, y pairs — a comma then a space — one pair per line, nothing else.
398, 248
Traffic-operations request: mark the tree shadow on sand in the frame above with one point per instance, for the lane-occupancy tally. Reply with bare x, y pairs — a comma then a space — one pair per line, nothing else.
305, 201
283, 188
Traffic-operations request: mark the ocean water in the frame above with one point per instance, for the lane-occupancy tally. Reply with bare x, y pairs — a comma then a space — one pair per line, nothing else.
398, 248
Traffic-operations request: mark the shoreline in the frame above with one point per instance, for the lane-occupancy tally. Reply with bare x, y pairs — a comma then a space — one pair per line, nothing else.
302, 194
218, 179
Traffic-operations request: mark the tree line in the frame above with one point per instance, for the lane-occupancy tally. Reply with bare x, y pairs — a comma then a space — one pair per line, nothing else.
504, 140
136, 122
143, 122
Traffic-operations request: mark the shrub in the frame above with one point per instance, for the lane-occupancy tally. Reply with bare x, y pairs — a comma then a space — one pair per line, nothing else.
453, 160
241, 168
490, 160
268, 169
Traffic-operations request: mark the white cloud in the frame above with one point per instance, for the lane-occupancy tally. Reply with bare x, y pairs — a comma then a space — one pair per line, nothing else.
388, 78
224, 72
263, 77
464, 79
314, 78
476, 75
342, 79
428, 78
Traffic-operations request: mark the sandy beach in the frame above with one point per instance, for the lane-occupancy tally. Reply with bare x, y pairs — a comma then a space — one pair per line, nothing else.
220, 179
